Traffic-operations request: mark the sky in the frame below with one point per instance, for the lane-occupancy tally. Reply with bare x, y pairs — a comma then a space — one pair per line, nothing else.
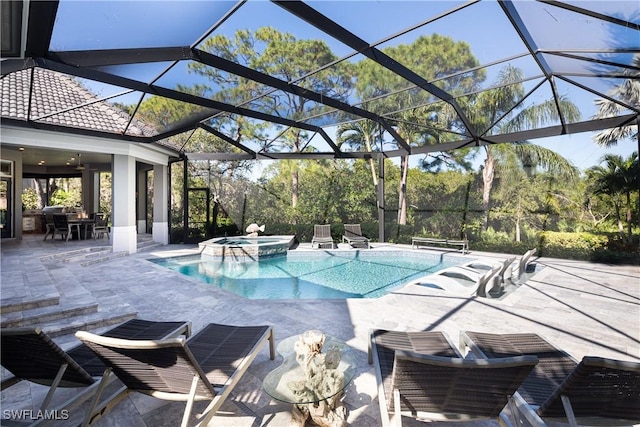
583, 151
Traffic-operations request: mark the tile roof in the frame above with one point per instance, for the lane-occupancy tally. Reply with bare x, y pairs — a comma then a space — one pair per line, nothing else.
53, 93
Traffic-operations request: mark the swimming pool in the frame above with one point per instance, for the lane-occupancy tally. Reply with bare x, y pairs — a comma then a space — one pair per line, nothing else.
309, 275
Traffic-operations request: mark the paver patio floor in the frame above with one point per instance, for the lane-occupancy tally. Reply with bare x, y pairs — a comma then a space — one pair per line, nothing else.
585, 308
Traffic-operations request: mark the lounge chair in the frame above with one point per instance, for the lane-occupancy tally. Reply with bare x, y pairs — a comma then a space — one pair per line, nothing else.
460, 281
596, 391
205, 367
321, 236
353, 236
480, 267
423, 375
523, 263
30, 354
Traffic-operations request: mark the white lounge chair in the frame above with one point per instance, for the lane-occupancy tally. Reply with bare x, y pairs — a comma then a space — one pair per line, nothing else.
523, 263
480, 267
460, 281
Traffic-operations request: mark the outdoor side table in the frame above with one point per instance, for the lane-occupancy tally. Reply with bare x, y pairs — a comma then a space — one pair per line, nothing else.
316, 393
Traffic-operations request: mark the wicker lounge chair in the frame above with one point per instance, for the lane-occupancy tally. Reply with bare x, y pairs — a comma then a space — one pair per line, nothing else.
460, 281
30, 354
353, 236
423, 375
205, 367
596, 391
321, 236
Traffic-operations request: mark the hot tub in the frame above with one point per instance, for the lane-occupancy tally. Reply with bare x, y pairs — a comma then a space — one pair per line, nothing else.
244, 248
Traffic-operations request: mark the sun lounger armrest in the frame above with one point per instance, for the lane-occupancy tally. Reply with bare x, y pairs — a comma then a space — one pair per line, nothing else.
604, 362
129, 344
459, 361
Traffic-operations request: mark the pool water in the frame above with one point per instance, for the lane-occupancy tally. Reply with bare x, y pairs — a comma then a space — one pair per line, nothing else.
352, 274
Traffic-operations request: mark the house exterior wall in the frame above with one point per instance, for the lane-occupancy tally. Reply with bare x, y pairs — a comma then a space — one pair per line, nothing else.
124, 155
14, 155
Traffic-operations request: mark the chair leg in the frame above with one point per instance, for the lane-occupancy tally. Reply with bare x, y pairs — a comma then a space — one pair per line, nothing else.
189, 406
53, 387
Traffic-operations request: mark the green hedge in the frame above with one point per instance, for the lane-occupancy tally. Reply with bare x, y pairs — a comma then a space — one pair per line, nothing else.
606, 248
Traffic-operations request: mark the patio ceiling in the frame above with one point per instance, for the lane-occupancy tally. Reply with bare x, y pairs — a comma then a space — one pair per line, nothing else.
152, 62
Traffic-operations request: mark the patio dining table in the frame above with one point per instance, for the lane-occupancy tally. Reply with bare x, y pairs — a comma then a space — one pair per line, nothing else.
84, 224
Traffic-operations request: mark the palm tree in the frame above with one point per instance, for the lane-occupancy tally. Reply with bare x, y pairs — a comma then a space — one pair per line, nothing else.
618, 176
628, 92
358, 135
495, 105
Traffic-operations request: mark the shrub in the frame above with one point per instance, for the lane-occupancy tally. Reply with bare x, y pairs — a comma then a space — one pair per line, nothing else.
30, 199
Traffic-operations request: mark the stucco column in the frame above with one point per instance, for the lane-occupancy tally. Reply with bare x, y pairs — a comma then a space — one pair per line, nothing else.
141, 201
160, 204
123, 230
88, 189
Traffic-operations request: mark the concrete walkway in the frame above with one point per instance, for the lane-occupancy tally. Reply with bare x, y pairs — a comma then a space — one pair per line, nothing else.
585, 308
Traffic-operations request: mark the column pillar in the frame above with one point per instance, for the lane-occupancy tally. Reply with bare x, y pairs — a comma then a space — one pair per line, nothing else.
123, 230
141, 201
160, 204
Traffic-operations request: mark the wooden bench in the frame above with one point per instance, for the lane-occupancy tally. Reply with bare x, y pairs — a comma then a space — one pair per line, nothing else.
428, 241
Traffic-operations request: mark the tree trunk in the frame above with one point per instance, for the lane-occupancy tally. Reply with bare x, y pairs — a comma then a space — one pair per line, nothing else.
518, 219
629, 217
374, 174
372, 165
487, 184
294, 188
41, 192
402, 191
619, 219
